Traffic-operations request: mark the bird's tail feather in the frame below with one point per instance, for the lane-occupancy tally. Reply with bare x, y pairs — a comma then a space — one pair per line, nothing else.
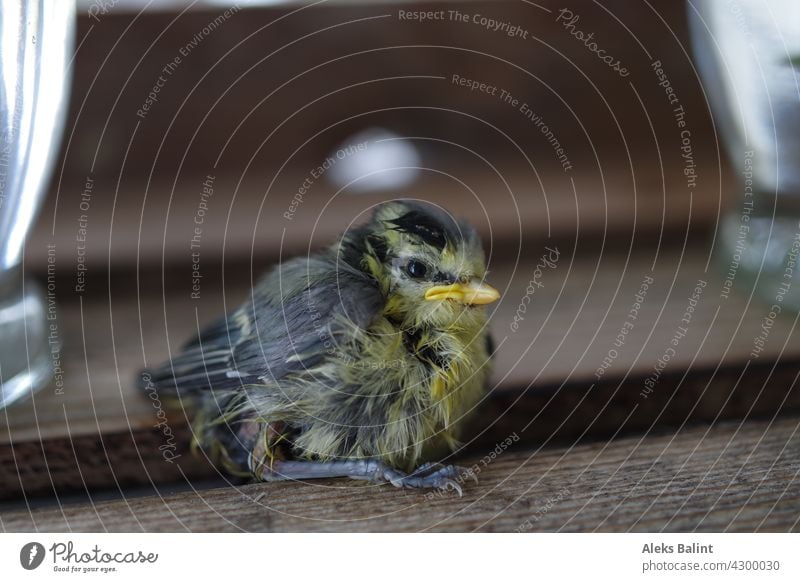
205, 362
194, 372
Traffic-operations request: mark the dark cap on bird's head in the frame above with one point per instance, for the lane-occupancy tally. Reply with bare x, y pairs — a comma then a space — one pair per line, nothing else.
425, 221
429, 265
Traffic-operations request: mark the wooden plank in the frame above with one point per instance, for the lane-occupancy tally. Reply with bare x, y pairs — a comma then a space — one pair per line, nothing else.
140, 223
730, 477
565, 335
546, 415
52, 440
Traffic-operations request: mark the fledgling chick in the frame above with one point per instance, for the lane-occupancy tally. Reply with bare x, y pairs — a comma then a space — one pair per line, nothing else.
361, 360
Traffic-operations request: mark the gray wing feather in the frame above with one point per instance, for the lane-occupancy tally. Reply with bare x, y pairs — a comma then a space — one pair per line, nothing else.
290, 323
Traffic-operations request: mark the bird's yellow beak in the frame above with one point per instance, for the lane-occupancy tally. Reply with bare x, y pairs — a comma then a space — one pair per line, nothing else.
472, 293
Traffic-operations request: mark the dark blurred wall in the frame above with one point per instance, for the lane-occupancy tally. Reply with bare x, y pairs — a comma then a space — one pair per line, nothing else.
260, 96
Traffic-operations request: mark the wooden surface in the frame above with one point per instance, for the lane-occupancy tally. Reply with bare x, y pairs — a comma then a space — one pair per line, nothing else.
732, 477
139, 223
101, 432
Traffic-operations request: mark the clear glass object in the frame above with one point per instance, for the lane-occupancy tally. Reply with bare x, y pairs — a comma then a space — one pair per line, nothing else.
36, 43
748, 56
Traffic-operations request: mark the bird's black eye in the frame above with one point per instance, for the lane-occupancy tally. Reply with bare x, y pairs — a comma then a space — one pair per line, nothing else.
416, 269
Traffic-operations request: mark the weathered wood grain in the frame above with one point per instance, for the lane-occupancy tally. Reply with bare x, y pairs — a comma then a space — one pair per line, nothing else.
101, 430
731, 477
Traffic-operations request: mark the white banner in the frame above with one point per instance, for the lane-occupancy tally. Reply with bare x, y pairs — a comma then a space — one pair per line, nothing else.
388, 557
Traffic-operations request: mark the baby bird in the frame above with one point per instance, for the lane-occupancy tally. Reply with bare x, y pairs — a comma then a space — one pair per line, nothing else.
361, 360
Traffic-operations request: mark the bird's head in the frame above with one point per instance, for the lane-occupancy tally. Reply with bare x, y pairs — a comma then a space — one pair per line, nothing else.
429, 265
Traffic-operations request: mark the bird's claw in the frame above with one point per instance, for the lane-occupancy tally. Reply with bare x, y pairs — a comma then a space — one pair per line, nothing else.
427, 476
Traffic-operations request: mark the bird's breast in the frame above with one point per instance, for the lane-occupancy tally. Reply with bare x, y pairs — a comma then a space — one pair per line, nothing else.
454, 367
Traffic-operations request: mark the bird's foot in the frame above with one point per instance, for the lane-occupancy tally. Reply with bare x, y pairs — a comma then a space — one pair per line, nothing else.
427, 476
